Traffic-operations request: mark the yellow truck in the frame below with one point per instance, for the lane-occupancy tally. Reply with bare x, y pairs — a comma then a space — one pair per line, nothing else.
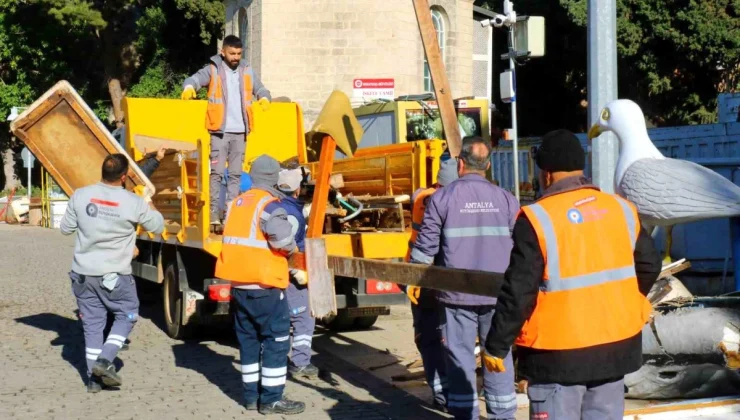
70, 142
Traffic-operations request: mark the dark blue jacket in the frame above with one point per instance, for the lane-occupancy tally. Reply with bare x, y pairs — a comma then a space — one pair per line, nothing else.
469, 222
294, 208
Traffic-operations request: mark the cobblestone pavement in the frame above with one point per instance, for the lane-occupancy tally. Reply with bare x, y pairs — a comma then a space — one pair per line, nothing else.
42, 357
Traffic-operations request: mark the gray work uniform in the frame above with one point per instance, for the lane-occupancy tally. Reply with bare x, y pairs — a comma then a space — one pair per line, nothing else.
228, 144
469, 222
105, 219
591, 401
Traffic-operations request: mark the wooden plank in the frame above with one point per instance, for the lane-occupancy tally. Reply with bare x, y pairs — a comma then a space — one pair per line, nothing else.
321, 293
442, 90
384, 199
147, 144
321, 192
439, 278
673, 269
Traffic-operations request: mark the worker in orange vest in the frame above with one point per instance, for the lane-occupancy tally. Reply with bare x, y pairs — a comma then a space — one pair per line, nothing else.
574, 295
258, 238
232, 86
424, 306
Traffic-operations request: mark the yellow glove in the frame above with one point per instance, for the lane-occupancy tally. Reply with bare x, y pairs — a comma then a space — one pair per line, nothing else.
493, 364
264, 103
413, 292
188, 93
300, 276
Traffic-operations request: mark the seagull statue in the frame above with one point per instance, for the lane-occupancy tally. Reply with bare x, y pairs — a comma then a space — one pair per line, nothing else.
666, 191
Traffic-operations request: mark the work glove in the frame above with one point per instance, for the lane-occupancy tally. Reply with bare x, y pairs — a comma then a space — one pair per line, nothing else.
413, 292
493, 364
188, 93
264, 103
300, 276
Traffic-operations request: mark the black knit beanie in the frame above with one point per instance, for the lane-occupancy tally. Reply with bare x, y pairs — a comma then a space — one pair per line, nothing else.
561, 151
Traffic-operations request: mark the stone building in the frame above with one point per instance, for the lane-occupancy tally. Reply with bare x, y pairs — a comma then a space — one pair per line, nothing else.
304, 49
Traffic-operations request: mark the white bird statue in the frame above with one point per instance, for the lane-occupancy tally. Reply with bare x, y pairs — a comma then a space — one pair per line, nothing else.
665, 191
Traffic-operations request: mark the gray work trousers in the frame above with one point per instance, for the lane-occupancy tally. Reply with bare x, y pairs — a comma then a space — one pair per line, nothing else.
591, 401
226, 147
428, 339
303, 325
94, 303
460, 326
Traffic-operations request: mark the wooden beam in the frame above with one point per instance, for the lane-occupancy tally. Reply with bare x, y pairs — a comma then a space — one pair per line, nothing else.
439, 278
321, 191
442, 90
321, 294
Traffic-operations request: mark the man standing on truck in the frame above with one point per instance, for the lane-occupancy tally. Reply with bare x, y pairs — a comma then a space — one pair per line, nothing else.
469, 222
424, 305
258, 239
232, 85
300, 315
105, 217
574, 293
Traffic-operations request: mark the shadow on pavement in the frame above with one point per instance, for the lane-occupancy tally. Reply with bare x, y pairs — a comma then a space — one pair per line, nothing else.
70, 337
217, 368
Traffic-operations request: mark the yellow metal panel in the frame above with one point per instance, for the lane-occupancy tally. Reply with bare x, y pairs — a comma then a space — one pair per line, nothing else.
277, 132
383, 244
339, 245
172, 119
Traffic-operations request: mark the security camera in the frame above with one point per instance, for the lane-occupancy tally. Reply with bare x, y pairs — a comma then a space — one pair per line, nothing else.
497, 21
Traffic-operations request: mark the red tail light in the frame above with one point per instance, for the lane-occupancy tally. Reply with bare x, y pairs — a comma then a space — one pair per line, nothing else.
376, 287
219, 292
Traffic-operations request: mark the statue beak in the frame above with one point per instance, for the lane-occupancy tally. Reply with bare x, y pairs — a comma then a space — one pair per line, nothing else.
594, 132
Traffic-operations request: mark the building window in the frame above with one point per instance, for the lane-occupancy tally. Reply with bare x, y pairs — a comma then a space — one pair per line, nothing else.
243, 31
439, 24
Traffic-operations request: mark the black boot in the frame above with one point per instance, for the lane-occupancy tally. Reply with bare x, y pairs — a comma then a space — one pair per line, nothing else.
284, 406
105, 370
93, 386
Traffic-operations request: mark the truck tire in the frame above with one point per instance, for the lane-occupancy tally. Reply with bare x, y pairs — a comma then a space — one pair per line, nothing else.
365, 322
172, 299
341, 322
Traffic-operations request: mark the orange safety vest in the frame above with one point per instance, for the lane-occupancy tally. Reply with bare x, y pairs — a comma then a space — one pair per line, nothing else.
246, 257
216, 110
417, 216
589, 294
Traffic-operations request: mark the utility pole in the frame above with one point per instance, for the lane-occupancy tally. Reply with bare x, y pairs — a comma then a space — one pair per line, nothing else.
526, 39
602, 86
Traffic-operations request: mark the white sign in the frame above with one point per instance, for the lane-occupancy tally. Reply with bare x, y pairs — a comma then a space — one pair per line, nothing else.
369, 89
28, 158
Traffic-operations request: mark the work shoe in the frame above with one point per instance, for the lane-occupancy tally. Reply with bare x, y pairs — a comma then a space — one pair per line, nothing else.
93, 387
215, 219
251, 406
439, 406
309, 371
125, 347
284, 406
105, 370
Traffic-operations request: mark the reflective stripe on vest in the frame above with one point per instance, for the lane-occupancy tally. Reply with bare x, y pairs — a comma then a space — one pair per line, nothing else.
556, 283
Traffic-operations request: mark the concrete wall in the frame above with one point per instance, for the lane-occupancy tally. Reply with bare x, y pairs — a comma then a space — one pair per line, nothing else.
308, 48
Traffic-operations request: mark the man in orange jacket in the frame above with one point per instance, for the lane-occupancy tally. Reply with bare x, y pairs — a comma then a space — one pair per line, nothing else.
258, 238
573, 299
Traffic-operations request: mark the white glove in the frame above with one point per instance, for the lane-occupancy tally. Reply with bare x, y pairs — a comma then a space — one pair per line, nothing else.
300, 276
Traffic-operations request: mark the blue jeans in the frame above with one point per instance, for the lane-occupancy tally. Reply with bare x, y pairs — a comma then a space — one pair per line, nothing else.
262, 325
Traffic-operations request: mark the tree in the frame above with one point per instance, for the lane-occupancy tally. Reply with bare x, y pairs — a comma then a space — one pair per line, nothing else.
104, 48
674, 57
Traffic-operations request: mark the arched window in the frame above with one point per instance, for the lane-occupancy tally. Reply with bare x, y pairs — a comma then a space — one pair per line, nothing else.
439, 24
243, 31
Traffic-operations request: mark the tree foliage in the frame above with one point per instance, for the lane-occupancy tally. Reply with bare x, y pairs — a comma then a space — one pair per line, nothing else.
674, 58
104, 48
